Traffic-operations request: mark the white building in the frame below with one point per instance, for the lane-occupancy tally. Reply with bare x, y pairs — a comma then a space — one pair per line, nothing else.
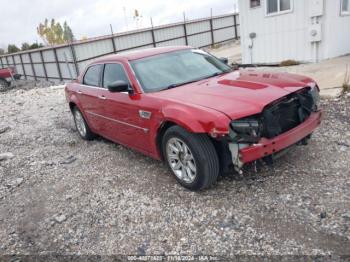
304, 30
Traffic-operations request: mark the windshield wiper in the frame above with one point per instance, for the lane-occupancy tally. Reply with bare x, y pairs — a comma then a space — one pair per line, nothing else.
220, 73
217, 74
180, 84
196, 80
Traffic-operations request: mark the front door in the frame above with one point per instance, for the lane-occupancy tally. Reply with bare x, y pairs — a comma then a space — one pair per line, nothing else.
122, 121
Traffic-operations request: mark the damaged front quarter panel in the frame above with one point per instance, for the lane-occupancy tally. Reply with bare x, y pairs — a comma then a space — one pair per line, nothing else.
276, 119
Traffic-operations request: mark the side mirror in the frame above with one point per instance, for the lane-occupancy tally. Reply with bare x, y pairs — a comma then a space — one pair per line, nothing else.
224, 60
118, 86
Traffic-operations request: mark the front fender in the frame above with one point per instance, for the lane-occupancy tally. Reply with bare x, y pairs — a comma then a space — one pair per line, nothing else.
196, 119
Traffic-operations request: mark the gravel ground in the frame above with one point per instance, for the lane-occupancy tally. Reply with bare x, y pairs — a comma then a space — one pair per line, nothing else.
61, 194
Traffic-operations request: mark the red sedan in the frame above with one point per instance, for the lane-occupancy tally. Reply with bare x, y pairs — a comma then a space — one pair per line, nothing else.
192, 110
6, 76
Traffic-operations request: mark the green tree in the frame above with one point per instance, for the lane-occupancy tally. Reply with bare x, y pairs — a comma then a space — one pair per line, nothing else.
53, 33
67, 33
25, 46
2, 51
36, 45
12, 49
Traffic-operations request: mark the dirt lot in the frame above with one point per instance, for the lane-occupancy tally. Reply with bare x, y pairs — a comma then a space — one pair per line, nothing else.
61, 194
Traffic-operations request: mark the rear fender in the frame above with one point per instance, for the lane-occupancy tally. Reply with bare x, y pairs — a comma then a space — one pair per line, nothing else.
72, 98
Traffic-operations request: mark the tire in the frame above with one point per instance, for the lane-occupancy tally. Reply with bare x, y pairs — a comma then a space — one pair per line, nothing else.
81, 125
3, 85
195, 168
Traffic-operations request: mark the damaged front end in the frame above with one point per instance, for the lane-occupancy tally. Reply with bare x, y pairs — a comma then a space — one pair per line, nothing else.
259, 134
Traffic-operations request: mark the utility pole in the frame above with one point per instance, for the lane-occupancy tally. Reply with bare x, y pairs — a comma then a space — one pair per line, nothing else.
153, 36
110, 25
211, 27
126, 19
235, 7
112, 39
185, 29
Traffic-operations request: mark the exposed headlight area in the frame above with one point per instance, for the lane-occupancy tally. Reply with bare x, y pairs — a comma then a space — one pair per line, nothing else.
276, 118
246, 130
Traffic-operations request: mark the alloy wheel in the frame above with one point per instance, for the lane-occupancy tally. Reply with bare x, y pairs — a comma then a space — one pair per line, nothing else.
80, 123
181, 160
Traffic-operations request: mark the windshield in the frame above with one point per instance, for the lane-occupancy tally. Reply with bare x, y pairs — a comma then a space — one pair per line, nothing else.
172, 69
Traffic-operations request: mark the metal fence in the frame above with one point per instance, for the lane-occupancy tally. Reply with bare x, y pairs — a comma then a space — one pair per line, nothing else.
58, 63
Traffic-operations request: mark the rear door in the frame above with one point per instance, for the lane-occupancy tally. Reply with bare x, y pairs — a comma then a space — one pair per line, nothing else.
90, 93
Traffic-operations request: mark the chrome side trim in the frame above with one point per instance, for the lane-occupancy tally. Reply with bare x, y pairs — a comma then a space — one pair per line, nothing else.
120, 122
101, 88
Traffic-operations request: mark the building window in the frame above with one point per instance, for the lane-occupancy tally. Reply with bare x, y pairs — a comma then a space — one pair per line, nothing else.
278, 6
254, 3
345, 7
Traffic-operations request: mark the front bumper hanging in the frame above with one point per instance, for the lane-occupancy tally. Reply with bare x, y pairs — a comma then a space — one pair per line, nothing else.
266, 147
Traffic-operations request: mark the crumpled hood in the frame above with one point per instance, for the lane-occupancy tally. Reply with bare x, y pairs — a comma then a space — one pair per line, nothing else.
239, 93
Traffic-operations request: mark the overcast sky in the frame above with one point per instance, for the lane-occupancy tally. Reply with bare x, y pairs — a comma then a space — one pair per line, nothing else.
19, 18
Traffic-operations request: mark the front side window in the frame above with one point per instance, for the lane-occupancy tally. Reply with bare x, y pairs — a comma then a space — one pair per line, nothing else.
345, 6
112, 73
93, 75
278, 6
177, 68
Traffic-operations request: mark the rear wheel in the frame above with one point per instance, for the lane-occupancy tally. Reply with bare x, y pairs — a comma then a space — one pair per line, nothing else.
191, 158
3, 85
81, 125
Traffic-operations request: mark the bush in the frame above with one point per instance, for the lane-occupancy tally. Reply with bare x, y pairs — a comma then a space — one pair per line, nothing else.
289, 63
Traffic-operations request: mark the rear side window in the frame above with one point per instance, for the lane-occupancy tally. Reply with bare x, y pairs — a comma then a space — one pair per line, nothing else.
112, 73
92, 76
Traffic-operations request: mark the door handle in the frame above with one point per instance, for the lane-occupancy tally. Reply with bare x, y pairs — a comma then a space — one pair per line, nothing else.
79, 92
102, 97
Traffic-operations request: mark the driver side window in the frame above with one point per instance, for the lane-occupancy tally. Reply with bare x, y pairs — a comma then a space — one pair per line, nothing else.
112, 73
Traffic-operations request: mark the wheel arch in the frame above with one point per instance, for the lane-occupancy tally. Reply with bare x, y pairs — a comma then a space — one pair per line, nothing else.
72, 105
164, 126
185, 117
74, 102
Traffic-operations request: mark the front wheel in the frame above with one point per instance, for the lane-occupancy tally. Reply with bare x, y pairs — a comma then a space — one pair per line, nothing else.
191, 158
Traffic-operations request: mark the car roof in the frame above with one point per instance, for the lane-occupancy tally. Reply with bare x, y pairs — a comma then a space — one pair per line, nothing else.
137, 54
